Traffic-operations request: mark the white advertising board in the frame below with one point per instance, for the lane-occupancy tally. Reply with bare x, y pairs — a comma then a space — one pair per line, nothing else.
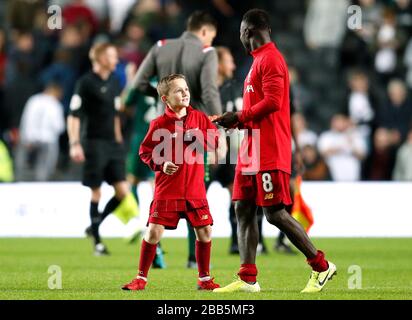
339, 209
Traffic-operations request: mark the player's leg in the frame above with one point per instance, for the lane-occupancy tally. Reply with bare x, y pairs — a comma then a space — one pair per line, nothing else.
248, 238
234, 248
244, 195
203, 249
261, 248
274, 194
147, 253
121, 190
322, 269
282, 244
279, 217
93, 231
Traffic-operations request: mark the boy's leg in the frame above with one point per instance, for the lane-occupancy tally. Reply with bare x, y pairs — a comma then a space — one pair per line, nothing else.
203, 250
203, 246
147, 254
191, 238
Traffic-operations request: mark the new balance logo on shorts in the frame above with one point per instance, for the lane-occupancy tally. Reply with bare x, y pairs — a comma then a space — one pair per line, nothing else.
205, 217
155, 215
268, 196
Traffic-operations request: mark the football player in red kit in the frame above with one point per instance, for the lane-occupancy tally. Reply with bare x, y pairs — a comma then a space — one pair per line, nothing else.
174, 148
263, 180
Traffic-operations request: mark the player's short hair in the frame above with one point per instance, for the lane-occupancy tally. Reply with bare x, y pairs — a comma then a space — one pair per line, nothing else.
257, 18
163, 86
221, 50
198, 19
98, 49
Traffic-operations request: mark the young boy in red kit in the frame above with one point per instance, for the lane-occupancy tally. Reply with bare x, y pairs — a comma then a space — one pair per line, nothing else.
173, 148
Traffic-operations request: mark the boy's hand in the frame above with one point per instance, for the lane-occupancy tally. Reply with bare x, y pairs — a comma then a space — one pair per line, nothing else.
169, 168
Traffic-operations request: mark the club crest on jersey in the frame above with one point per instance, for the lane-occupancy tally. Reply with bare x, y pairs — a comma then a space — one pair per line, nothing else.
249, 88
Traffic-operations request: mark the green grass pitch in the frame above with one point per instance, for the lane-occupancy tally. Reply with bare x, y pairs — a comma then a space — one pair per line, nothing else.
386, 270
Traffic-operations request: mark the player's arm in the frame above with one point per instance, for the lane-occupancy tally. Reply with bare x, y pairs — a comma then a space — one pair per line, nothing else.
146, 71
118, 129
73, 130
273, 90
74, 124
208, 83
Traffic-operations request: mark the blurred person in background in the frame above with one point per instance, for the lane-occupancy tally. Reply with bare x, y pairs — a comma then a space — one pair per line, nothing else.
321, 16
41, 124
362, 104
4, 111
78, 11
403, 163
304, 136
343, 148
316, 168
388, 42
357, 47
393, 120
193, 56
21, 14
20, 78
96, 105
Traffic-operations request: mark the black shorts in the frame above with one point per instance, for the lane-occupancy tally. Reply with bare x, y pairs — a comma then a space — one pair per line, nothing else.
105, 161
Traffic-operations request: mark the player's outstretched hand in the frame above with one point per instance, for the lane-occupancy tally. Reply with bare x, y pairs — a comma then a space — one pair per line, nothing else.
227, 120
169, 168
76, 153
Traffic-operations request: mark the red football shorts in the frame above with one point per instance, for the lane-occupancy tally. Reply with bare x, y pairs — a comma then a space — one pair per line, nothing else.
266, 189
168, 213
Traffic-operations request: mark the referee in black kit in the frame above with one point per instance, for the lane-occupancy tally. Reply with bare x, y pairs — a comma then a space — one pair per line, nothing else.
94, 107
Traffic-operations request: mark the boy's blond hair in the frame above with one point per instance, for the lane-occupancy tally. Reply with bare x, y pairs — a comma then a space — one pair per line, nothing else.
163, 86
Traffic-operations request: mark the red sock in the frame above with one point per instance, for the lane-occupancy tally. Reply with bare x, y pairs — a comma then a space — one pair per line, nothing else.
319, 262
147, 254
248, 272
203, 257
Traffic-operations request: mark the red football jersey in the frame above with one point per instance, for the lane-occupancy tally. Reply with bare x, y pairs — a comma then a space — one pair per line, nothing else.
188, 182
266, 107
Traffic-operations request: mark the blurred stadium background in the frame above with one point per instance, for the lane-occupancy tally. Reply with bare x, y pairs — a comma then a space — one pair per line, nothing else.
352, 85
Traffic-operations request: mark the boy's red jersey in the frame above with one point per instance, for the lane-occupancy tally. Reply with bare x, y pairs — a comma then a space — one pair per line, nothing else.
167, 131
266, 107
